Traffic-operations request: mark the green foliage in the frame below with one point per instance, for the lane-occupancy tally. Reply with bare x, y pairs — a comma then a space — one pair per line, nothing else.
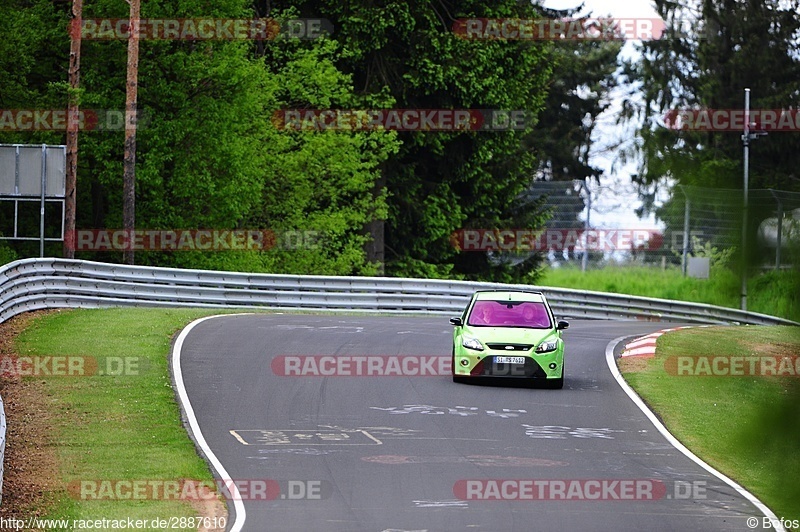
584, 75
438, 182
209, 157
729, 46
719, 259
719, 49
7, 254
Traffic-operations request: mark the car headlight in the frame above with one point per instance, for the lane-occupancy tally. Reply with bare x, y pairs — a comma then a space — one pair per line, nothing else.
472, 343
546, 347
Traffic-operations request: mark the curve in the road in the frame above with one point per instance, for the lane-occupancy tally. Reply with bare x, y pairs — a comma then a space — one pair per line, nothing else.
194, 427
612, 366
410, 473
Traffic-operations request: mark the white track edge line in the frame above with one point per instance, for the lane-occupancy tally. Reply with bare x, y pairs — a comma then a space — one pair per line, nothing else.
238, 505
612, 366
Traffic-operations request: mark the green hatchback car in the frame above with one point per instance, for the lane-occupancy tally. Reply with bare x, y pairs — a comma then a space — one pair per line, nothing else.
508, 334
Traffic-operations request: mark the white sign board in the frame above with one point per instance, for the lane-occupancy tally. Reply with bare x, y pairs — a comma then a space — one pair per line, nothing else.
21, 168
698, 267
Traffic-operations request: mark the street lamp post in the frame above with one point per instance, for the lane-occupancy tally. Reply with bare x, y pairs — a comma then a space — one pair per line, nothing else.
746, 141
746, 138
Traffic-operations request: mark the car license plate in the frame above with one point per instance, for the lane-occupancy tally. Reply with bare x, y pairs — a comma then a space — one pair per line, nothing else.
509, 360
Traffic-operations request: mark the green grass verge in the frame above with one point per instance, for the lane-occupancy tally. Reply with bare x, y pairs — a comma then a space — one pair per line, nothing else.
746, 427
773, 293
123, 427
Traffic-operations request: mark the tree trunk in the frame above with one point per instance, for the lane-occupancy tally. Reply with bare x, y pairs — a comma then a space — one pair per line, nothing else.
71, 177
129, 162
375, 228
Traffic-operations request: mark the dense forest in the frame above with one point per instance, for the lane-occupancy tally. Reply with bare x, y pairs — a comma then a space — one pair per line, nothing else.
211, 154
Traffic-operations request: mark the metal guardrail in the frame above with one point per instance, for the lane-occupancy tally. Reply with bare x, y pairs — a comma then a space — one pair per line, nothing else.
33, 284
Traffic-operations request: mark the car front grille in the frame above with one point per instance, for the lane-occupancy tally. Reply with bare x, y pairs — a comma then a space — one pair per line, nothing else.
514, 347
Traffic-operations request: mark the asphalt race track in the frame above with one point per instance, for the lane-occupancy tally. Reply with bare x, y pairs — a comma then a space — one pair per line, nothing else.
413, 453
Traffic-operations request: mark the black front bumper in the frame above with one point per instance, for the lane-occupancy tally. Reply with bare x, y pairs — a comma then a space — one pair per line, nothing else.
488, 367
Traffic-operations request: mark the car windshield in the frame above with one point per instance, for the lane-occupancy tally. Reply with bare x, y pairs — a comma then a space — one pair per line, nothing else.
509, 314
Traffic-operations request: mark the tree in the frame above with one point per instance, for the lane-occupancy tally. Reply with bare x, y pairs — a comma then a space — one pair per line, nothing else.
579, 92
73, 106
713, 50
585, 74
438, 182
129, 157
732, 44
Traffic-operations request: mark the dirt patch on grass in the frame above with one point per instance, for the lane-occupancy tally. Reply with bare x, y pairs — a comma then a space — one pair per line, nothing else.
214, 510
632, 364
31, 460
779, 349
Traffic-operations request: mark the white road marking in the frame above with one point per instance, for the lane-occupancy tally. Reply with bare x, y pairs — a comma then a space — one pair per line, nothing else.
441, 504
612, 366
557, 432
303, 437
236, 435
194, 426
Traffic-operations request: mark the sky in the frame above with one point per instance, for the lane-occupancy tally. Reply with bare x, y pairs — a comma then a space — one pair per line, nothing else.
616, 200
626, 9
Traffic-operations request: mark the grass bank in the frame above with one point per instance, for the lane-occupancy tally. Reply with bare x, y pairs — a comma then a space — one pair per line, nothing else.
747, 427
111, 414
774, 293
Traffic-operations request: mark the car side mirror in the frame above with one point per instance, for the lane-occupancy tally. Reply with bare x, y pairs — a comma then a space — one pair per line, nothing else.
562, 325
458, 322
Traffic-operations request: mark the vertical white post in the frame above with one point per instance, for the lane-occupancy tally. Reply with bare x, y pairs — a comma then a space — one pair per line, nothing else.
587, 225
746, 139
41, 205
685, 254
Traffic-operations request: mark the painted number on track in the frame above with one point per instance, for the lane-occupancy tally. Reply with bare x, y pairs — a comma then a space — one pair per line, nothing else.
557, 432
463, 411
304, 437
